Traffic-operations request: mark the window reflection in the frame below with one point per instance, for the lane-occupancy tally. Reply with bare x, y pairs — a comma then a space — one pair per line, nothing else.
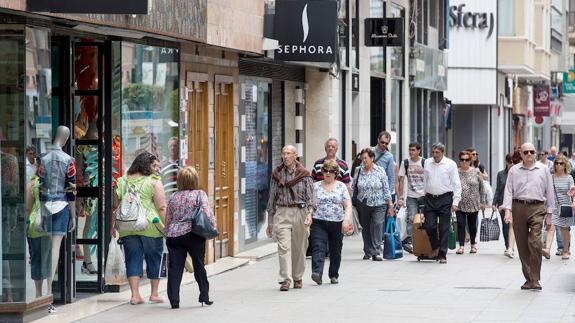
150, 101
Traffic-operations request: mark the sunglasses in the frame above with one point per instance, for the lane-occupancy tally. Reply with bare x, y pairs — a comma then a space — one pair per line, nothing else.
329, 171
542, 154
559, 163
529, 152
464, 160
474, 154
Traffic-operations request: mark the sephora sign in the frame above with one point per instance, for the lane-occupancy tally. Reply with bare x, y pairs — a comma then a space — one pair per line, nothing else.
306, 30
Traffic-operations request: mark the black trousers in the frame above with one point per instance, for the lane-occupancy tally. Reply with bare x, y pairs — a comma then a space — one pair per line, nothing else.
505, 229
179, 248
469, 219
322, 232
437, 214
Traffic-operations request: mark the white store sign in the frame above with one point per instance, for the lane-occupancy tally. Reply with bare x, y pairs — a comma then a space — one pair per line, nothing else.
472, 54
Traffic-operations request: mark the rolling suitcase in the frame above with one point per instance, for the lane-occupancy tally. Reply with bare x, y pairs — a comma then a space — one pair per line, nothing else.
421, 246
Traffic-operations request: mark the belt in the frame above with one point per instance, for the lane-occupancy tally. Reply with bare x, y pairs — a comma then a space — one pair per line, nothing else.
530, 202
440, 195
298, 205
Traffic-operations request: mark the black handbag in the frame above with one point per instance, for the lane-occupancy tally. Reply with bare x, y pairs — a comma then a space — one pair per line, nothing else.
354, 199
201, 225
565, 211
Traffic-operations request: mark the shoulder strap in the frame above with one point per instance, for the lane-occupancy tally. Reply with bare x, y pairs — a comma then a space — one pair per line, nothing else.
380, 155
406, 165
555, 190
422, 162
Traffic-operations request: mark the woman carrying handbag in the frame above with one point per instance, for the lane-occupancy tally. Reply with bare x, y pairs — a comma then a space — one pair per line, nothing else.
181, 239
563, 215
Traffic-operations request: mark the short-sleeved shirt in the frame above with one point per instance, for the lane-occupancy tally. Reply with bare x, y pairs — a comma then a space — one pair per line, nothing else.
330, 204
415, 177
145, 188
343, 175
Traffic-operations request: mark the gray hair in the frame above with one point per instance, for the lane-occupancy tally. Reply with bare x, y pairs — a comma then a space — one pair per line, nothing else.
438, 146
331, 139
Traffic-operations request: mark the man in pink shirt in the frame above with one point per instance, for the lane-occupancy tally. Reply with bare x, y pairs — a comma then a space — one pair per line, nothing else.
529, 196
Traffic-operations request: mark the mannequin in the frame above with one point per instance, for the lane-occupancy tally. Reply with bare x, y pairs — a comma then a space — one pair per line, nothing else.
57, 195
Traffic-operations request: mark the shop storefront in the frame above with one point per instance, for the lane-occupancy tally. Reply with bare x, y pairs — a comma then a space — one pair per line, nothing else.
268, 120
118, 98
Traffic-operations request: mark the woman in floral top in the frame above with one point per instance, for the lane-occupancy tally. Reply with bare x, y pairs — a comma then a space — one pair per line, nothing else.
472, 200
332, 215
180, 239
370, 186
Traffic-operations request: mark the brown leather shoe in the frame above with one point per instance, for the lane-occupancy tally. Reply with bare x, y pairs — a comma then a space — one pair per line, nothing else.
297, 284
285, 286
526, 286
536, 286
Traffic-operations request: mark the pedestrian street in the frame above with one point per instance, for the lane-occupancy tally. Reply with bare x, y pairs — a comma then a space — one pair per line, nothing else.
482, 287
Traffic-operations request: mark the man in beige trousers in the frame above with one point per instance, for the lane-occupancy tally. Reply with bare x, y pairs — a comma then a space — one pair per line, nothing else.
290, 208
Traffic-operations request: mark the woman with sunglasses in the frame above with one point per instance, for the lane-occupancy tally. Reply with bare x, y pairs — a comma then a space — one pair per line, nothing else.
562, 182
472, 200
331, 218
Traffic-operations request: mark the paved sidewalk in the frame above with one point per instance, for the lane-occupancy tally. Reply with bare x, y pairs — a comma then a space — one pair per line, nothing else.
484, 287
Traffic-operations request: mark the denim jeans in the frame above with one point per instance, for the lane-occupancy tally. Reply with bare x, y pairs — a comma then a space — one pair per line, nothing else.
321, 232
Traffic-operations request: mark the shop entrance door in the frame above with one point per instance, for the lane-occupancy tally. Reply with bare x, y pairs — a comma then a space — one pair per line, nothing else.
88, 149
224, 165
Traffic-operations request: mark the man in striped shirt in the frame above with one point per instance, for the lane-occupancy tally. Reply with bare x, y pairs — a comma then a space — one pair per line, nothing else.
331, 146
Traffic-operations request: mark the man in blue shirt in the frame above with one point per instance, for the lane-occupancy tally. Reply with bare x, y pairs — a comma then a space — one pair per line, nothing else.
384, 159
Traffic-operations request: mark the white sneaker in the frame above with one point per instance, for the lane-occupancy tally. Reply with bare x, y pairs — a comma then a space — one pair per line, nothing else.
51, 308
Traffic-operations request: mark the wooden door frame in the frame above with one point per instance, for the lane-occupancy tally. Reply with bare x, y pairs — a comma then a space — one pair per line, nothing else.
192, 79
229, 155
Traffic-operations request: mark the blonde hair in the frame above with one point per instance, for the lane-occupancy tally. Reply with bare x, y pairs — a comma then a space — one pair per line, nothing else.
565, 161
187, 179
331, 165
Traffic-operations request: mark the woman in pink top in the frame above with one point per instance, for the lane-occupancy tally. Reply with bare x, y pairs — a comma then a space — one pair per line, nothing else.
180, 239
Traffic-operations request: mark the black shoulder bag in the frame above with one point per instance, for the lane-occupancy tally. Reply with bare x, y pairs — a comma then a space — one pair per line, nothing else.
354, 198
565, 211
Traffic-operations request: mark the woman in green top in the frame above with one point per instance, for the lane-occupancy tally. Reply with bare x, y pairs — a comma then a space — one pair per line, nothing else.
40, 244
147, 244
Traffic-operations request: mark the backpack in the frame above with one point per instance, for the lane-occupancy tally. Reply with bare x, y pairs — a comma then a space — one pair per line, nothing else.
131, 215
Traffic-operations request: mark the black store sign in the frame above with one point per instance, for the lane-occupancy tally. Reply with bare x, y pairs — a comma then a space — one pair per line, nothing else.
118, 7
386, 32
306, 30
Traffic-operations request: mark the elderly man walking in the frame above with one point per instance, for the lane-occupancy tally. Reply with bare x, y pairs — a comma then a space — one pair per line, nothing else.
290, 208
529, 196
442, 196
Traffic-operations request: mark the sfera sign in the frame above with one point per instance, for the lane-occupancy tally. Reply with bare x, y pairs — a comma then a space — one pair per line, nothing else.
306, 30
460, 18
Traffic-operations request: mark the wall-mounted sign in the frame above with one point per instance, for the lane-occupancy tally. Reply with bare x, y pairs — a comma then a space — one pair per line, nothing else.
306, 31
541, 100
385, 32
122, 7
459, 17
569, 82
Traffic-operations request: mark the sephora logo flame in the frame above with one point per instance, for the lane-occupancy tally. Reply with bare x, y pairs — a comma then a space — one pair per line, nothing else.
304, 23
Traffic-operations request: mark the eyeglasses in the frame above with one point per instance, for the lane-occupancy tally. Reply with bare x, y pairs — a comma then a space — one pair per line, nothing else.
384, 143
329, 171
464, 160
529, 152
559, 163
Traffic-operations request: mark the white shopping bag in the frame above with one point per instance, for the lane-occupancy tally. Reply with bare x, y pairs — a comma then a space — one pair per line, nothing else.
115, 272
401, 223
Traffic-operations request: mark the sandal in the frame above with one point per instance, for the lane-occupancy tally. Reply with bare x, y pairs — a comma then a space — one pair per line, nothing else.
156, 299
473, 249
459, 251
137, 301
545, 253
